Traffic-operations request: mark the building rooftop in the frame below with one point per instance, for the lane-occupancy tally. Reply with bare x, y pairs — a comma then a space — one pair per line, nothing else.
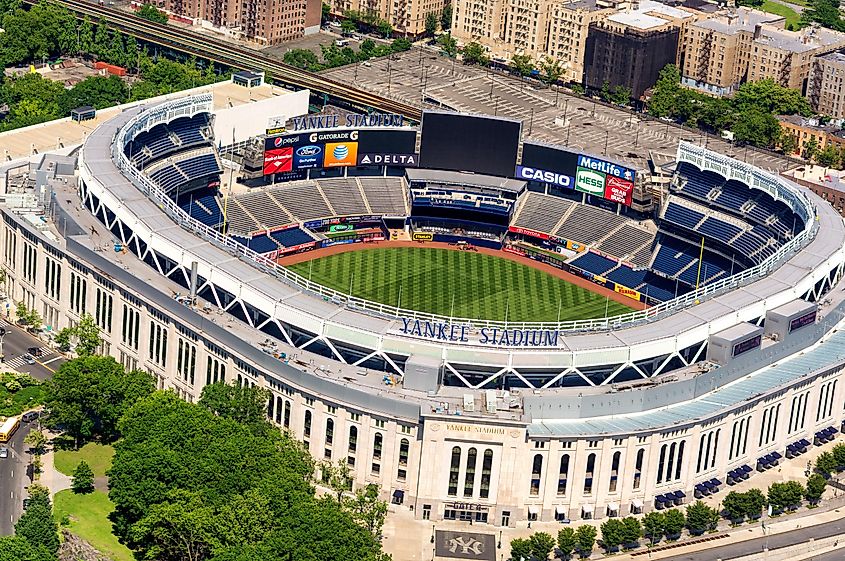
741, 19
638, 20
814, 124
820, 175
807, 39
835, 57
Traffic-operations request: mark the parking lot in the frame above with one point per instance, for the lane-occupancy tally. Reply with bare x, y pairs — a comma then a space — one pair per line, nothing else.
422, 75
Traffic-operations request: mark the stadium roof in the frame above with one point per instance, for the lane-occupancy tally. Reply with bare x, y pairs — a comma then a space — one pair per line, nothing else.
466, 179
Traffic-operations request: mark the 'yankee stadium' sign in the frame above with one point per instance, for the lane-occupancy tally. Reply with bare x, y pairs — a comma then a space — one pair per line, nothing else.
351, 121
493, 336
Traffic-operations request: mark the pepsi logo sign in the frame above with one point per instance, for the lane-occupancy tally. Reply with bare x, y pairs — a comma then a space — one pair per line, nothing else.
277, 141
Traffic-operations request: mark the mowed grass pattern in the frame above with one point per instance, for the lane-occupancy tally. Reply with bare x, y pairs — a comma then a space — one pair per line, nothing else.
461, 284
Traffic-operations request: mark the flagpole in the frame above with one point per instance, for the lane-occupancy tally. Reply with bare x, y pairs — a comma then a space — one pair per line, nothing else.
399, 299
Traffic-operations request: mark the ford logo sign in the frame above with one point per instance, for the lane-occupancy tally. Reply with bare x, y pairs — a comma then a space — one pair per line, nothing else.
340, 152
308, 151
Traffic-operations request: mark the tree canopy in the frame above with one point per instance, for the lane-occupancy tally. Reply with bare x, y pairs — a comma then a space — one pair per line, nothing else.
150, 12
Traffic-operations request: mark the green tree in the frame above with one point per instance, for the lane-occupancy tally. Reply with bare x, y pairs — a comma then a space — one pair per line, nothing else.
632, 531
244, 404
324, 13
787, 142
474, 53
384, 28
367, 509
151, 13
666, 92
448, 46
612, 534
84, 337
621, 95
541, 543
446, 17
83, 479
811, 149
17, 548
347, 26
757, 127
838, 452
755, 501
825, 463
734, 506
37, 526
431, 23
566, 542
88, 395
522, 64
550, 70
824, 12
39, 494
102, 39
37, 441
99, 92
181, 527
815, 488
586, 536
520, 549
829, 156
305, 58
701, 518
400, 44
86, 35
654, 524
785, 496
770, 97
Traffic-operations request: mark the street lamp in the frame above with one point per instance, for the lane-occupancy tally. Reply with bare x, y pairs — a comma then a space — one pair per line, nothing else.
500, 540
2, 335
432, 533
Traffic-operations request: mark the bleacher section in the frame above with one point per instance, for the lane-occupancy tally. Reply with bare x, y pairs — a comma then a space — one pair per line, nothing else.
291, 237
302, 200
203, 206
344, 195
541, 212
626, 241
163, 139
678, 259
181, 169
593, 262
385, 195
587, 223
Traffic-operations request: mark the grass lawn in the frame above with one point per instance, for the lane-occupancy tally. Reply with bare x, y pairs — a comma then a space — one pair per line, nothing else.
480, 286
772, 7
98, 457
15, 403
88, 520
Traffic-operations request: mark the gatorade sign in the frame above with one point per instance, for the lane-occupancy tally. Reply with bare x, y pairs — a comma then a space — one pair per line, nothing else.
590, 182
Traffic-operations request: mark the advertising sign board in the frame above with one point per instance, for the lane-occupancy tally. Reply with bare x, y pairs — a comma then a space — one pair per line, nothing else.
590, 181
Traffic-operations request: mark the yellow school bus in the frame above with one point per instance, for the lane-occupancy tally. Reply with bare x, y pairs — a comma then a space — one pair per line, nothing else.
8, 428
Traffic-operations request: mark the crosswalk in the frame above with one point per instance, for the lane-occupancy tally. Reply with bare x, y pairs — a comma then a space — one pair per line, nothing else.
18, 361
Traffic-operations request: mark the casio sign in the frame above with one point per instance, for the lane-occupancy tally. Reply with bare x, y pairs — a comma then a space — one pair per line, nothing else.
608, 168
544, 176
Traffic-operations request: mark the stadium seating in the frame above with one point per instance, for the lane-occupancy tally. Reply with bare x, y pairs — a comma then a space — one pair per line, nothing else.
588, 223
203, 206
385, 195
541, 212
262, 210
627, 276
239, 218
291, 237
625, 241
717, 229
673, 256
303, 201
682, 215
262, 244
593, 262
344, 195
161, 140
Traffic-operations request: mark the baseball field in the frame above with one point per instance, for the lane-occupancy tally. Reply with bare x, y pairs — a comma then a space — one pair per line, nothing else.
460, 284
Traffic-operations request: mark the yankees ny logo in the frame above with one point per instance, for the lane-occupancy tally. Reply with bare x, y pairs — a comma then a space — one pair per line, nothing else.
467, 545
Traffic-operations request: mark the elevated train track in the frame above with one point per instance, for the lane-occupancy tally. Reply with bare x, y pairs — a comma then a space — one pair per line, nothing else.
235, 56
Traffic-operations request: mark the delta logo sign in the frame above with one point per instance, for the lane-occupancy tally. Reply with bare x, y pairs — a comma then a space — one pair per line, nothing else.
278, 160
340, 154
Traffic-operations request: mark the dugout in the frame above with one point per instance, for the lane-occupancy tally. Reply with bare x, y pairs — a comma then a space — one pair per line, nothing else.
734, 341
792, 316
83, 113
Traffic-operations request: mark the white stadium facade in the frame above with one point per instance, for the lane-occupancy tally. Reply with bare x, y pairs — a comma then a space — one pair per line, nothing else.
583, 419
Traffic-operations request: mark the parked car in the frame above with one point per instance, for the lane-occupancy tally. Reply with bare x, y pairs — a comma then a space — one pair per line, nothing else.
35, 351
29, 416
28, 359
4, 452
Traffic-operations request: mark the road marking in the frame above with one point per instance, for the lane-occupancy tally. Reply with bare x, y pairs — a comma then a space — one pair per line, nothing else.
47, 367
46, 362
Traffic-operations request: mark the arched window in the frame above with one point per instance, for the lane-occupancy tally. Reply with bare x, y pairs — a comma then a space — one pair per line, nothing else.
377, 442
702, 454
486, 470
454, 471
638, 467
588, 474
287, 414
563, 474
670, 461
404, 446
680, 460
536, 474
278, 409
307, 426
660, 464
329, 432
353, 439
715, 447
469, 476
614, 471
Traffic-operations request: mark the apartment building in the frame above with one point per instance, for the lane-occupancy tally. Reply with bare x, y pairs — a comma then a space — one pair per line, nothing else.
720, 53
629, 49
265, 21
825, 88
406, 16
804, 130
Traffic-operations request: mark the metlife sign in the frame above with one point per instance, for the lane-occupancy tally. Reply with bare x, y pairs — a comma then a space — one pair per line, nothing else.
545, 176
607, 168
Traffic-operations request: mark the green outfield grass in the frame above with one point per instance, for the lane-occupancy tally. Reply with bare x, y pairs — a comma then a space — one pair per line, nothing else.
457, 283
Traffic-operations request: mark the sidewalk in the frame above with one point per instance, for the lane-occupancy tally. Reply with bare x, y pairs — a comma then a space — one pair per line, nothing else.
51, 478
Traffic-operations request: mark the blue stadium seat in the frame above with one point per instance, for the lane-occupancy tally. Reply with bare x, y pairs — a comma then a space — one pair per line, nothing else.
262, 244
682, 215
626, 276
672, 256
291, 237
594, 263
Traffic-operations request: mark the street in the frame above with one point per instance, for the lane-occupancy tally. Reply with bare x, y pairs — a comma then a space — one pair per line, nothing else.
13, 480
783, 539
15, 345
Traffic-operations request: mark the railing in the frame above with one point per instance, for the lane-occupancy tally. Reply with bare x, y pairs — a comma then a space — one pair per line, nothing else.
698, 156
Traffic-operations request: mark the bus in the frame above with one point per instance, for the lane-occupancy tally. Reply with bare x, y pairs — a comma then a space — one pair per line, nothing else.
8, 428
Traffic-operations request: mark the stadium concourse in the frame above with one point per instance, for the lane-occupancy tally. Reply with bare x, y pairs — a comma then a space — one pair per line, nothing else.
169, 232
